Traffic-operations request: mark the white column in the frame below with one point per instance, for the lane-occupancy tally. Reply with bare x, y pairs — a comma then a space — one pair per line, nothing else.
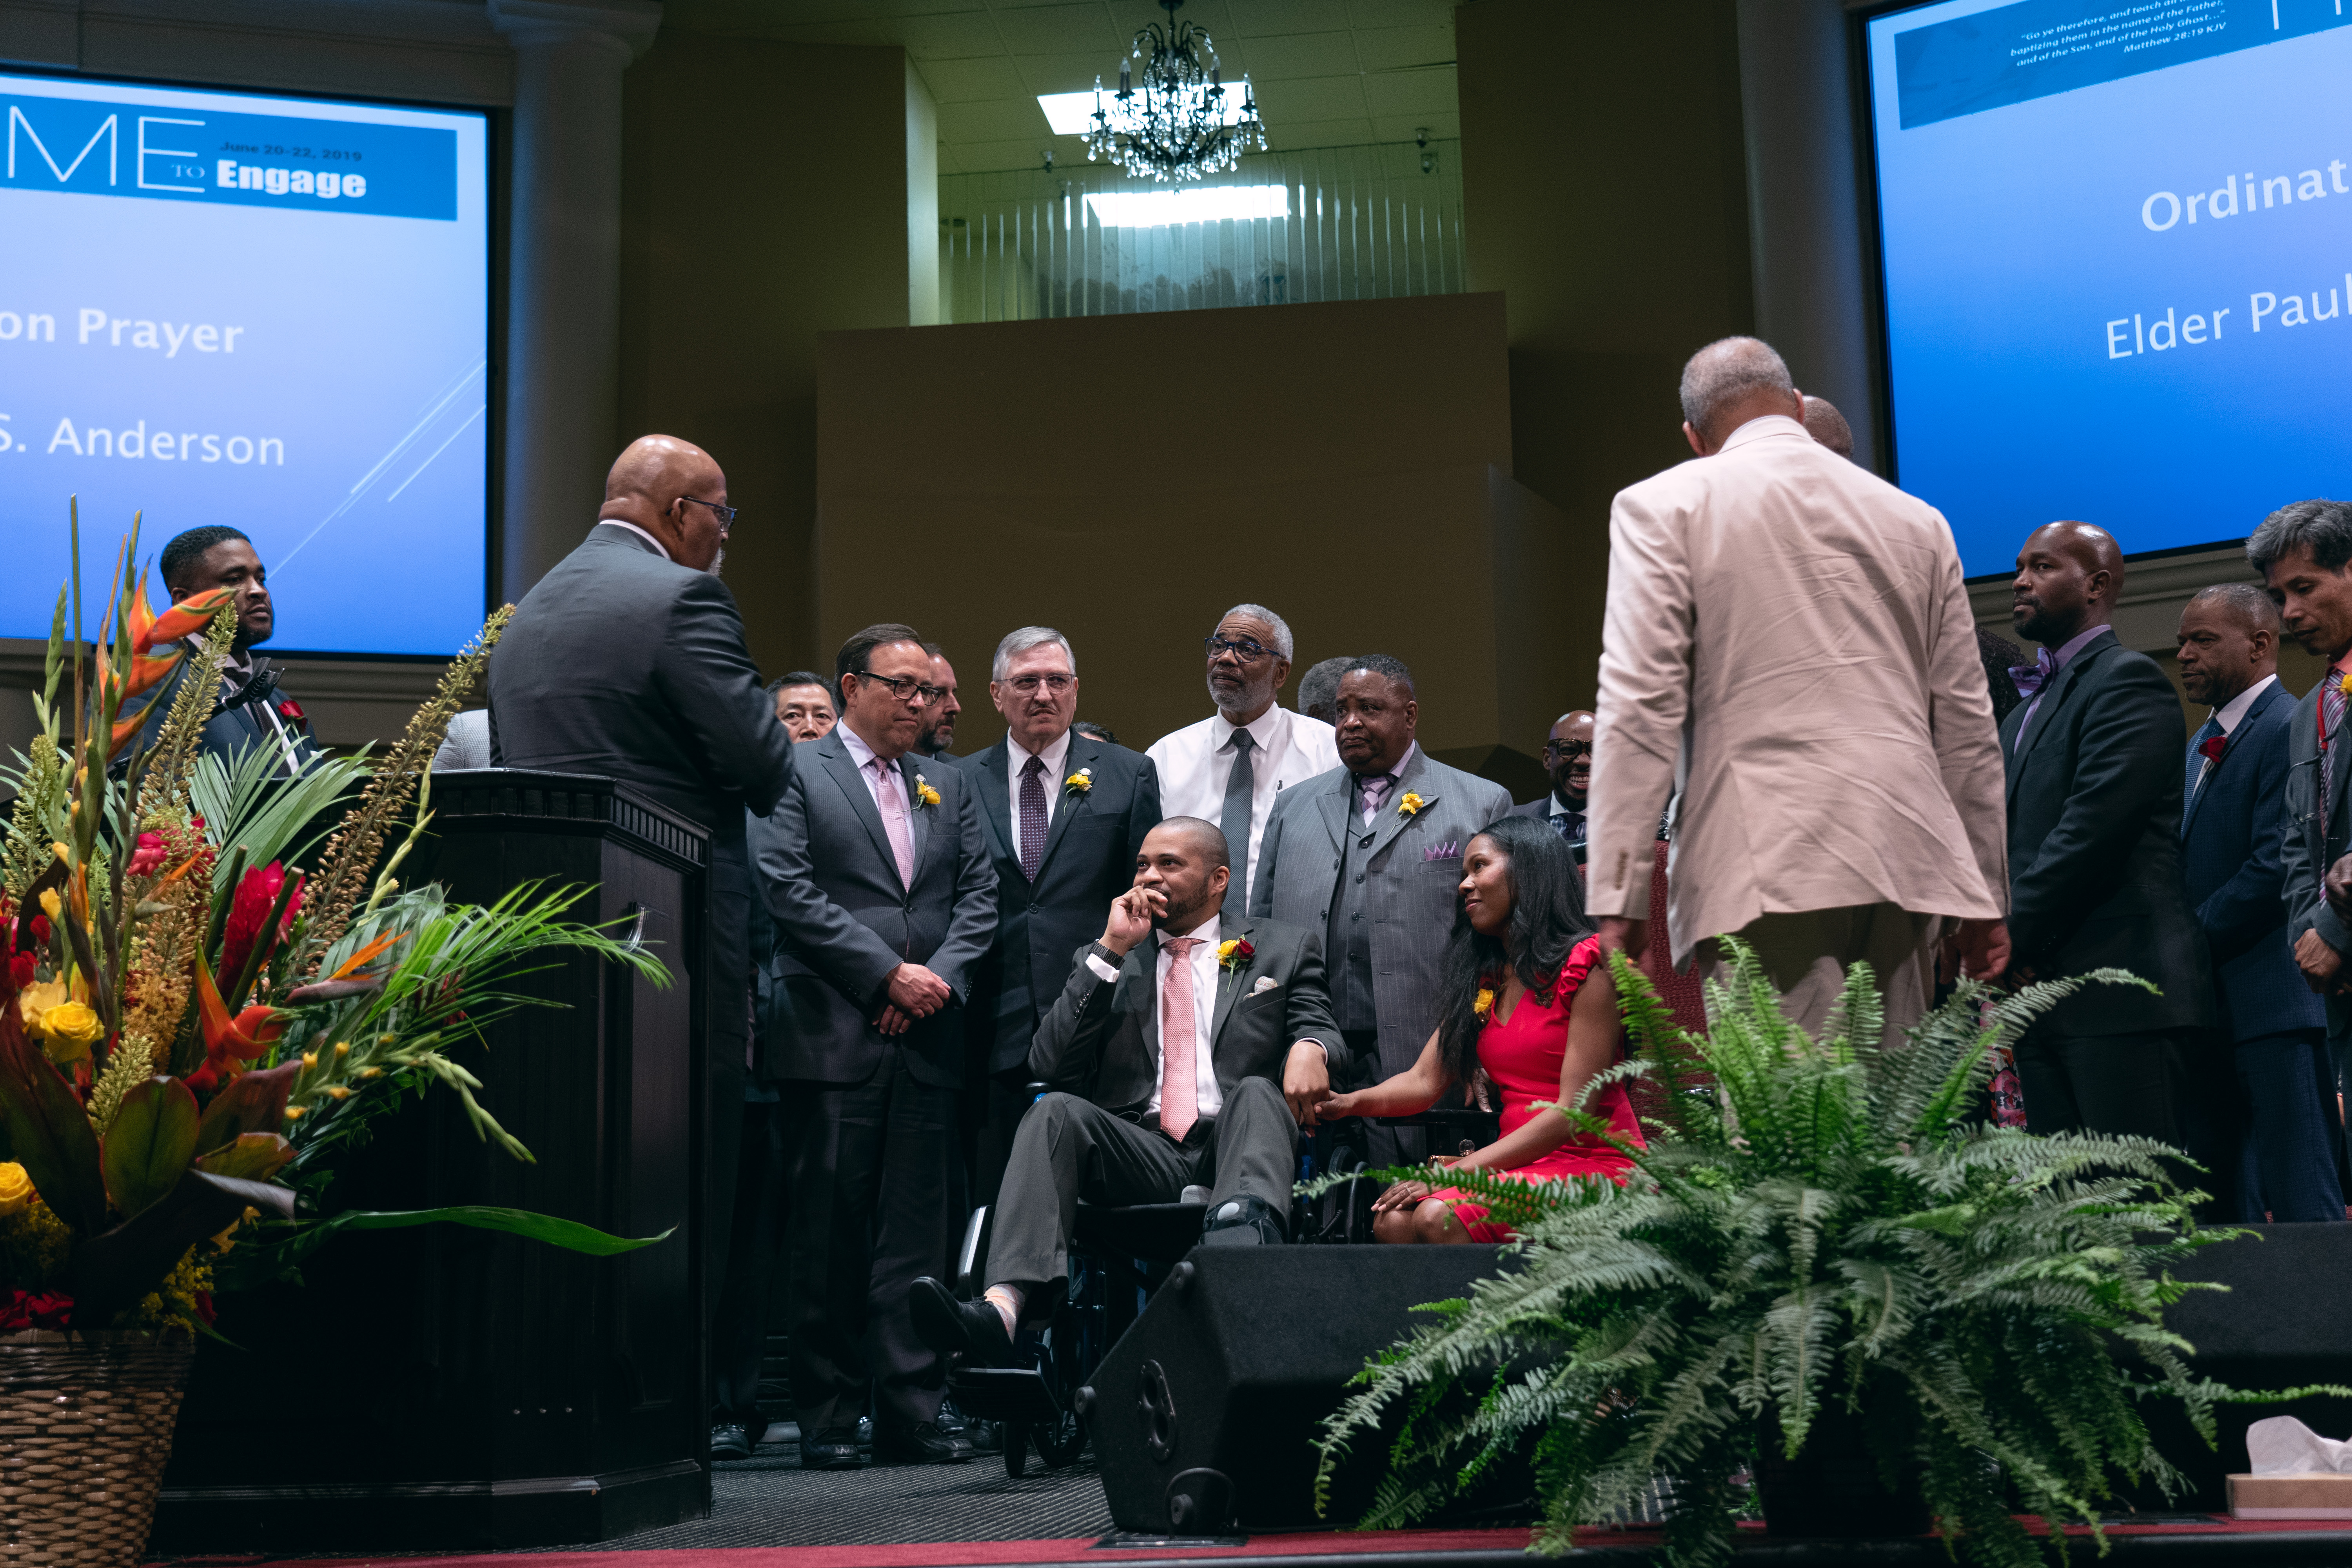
563, 277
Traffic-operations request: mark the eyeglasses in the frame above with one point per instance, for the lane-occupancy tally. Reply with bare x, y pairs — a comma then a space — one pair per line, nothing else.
902, 685
1243, 649
1027, 684
725, 515
1561, 750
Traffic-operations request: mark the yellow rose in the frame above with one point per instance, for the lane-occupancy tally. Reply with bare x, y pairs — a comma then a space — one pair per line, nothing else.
69, 1028
36, 998
15, 1189
51, 906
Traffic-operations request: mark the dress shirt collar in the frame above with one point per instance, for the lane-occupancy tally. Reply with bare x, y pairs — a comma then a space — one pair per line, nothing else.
1560, 810
2231, 712
2060, 658
1017, 756
641, 533
1206, 930
1396, 774
1263, 730
860, 751
1762, 425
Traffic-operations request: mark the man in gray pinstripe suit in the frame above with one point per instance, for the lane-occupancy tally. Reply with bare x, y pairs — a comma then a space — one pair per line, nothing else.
1370, 855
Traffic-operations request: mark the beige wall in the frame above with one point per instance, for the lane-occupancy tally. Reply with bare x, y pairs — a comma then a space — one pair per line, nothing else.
1345, 464
1604, 195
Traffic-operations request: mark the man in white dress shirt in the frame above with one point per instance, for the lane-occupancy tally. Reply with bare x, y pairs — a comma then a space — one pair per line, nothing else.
1228, 768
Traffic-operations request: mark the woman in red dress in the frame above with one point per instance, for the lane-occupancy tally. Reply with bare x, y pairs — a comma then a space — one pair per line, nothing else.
1528, 998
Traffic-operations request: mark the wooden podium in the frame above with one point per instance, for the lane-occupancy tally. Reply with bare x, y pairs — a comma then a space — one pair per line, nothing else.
450, 1388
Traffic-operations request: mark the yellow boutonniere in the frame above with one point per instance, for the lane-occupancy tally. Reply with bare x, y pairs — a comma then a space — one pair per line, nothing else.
1411, 804
1233, 954
1079, 783
925, 795
1484, 1006
2343, 684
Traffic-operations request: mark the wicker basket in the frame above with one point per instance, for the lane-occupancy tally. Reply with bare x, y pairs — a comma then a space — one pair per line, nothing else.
85, 1426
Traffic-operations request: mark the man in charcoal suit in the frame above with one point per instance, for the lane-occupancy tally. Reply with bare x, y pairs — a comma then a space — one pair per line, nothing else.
1065, 817
1173, 1057
2094, 813
2275, 1112
874, 866
1568, 760
1370, 855
2304, 554
627, 659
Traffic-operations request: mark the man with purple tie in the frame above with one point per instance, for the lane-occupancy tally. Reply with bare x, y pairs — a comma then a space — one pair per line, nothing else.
875, 869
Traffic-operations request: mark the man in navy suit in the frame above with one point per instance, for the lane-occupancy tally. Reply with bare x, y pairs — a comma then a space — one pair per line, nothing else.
250, 711
2232, 830
2094, 806
1065, 817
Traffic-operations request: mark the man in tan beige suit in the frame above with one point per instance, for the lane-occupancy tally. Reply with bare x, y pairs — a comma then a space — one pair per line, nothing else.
1797, 625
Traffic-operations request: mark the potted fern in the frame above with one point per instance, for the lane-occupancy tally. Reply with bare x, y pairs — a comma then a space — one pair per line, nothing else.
1824, 1268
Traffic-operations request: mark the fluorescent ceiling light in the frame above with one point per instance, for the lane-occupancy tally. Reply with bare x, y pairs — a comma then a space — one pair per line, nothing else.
1208, 204
1072, 113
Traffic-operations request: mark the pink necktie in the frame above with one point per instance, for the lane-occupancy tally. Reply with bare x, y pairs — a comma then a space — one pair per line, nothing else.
1180, 1096
894, 819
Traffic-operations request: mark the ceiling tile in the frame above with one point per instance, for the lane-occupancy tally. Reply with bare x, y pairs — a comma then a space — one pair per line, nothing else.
1442, 127
997, 120
1324, 133
976, 157
1391, 49
1255, 19
1071, 72
1401, 13
1321, 97
1294, 55
800, 13
1413, 92
972, 81
1057, 29
962, 36
861, 33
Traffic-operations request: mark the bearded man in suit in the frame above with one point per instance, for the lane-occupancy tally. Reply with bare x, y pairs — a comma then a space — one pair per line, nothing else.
876, 870
1166, 1052
1837, 809
2094, 792
1065, 817
1370, 855
627, 659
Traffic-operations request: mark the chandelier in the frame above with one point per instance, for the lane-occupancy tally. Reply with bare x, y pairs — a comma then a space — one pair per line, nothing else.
1181, 123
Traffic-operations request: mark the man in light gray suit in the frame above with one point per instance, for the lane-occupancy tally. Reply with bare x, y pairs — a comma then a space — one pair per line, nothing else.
1370, 855
874, 868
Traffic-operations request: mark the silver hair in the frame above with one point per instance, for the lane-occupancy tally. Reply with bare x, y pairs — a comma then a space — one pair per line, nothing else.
1021, 641
2250, 603
1722, 373
2324, 525
1282, 644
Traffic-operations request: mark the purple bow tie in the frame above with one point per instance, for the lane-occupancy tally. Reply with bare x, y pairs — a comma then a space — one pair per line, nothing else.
2029, 677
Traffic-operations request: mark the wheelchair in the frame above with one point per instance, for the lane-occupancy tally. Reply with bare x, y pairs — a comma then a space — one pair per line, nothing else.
1119, 1255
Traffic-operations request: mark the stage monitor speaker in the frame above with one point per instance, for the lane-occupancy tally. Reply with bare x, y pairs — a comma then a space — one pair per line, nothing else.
1205, 1413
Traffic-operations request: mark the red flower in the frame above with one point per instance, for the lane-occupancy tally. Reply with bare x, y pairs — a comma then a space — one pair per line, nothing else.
41, 930
204, 1307
21, 970
290, 711
148, 855
22, 1309
254, 893
2211, 749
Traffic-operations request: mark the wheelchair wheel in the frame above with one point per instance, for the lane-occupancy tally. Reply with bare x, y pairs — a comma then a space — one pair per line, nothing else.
1061, 1443
1016, 1448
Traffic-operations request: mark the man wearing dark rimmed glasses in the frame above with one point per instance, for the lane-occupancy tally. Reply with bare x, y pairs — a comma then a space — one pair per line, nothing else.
628, 660
1228, 768
1568, 759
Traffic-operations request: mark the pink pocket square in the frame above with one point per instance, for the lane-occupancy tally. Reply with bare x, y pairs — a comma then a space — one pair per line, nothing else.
1449, 850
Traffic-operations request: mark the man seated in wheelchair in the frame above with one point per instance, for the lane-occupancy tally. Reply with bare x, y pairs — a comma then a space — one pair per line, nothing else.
1187, 1049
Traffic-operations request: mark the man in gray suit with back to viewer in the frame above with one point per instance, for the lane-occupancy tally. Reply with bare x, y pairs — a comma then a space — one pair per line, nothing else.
876, 867
627, 659
1370, 855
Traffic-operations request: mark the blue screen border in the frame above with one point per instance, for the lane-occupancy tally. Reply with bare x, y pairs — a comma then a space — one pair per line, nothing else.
495, 128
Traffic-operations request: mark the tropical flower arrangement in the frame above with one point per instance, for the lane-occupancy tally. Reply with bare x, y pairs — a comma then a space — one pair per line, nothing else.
1825, 1234
192, 1025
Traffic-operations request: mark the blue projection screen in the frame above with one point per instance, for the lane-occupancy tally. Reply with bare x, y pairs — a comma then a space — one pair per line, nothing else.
269, 312
2118, 248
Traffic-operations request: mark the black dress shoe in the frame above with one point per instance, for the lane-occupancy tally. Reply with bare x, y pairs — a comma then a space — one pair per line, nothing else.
972, 1330
1242, 1221
923, 1445
830, 1448
727, 1442
985, 1436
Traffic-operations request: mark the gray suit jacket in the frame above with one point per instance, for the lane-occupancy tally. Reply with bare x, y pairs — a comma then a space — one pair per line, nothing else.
1102, 1041
844, 920
1411, 886
2315, 839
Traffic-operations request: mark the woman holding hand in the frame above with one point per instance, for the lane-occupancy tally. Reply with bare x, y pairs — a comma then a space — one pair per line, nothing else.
1527, 997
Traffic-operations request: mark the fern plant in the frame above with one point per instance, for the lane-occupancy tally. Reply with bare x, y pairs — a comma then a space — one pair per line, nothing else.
1822, 1218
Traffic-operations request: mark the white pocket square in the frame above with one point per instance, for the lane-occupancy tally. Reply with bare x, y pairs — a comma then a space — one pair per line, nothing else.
1265, 983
